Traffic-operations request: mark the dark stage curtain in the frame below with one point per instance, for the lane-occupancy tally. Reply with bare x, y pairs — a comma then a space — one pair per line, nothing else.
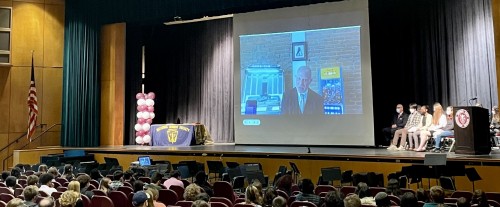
430, 51
190, 68
81, 81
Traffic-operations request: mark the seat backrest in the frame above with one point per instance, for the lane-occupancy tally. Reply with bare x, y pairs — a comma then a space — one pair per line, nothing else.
282, 194
22, 182
466, 194
101, 201
323, 188
119, 198
145, 179
239, 200
218, 204
290, 200
493, 203
224, 189
42, 193
374, 190
95, 183
347, 189
184, 203
6, 197
302, 203
243, 205
221, 200
18, 191
100, 192
395, 199
125, 189
178, 190
3, 204
5, 190
62, 189
493, 196
167, 197
56, 195
130, 196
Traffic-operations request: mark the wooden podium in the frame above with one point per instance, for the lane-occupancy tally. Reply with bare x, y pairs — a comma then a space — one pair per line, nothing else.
472, 135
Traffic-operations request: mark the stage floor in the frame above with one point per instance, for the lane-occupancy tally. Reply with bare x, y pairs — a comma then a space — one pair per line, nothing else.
298, 152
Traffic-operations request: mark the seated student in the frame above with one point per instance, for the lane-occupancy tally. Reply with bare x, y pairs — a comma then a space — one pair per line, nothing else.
30, 194
84, 181
352, 201
438, 123
46, 183
68, 172
252, 196
191, 192
446, 131
280, 202
382, 199
425, 123
155, 181
54, 172
117, 180
333, 199
95, 175
398, 122
462, 202
410, 127
269, 195
11, 182
363, 192
32, 180
201, 180
16, 172
175, 179
16, 202
307, 192
104, 185
409, 200
70, 198
437, 197
393, 187
5, 174
479, 198
140, 199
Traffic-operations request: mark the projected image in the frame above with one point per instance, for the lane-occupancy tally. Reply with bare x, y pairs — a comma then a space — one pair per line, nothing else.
309, 72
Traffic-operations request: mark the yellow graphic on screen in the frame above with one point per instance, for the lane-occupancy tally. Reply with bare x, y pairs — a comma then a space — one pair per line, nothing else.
330, 73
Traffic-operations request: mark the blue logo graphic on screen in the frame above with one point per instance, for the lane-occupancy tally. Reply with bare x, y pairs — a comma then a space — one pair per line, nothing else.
251, 122
144, 161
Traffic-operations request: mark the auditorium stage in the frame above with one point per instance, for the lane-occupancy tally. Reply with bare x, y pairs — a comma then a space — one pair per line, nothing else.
365, 154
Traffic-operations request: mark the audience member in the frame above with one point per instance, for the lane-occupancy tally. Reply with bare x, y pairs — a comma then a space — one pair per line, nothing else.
30, 194
47, 202
191, 192
32, 180
410, 127
154, 195
382, 199
84, 181
462, 202
150, 198
42, 169
16, 172
54, 172
446, 131
175, 179
5, 174
437, 197
307, 192
139, 199
362, 190
409, 200
104, 185
11, 182
393, 188
252, 196
398, 122
71, 198
68, 172
479, 198
46, 183
257, 184
74, 186
201, 180
203, 196
16, 202
96, 175
438, 123
333, 199
200, 203
128, 176
117, 180
424, 124
352, 201
269, 196
422, 195
138, 186
155, 181
279, 202
285, 183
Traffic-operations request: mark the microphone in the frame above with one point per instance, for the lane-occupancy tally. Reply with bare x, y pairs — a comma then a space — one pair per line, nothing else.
473, 99
308, 150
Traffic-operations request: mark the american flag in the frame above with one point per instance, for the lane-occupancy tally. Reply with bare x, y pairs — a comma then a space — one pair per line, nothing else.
32, 104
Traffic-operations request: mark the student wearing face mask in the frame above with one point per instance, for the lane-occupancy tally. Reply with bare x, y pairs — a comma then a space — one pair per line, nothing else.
438, 123
410, 127
398, 122
445, 131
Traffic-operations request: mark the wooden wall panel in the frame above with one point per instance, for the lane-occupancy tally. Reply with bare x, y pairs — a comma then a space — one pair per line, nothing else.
4, 99
53, 33
7, 3
20, 79
52, 96
27, 33
33, 156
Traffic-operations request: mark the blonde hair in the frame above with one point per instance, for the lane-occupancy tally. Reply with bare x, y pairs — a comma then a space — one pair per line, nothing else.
352, 201
438, 112
154, 193
150, 197
74, 186
252, 195
496, 116
15, 202
191, 192
104, 185
69, 198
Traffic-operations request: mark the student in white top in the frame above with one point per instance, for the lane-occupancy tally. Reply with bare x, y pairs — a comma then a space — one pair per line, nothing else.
438, 123
46, 183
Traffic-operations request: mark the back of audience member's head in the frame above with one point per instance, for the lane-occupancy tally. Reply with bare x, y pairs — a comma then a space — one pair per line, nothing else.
252, 195
155, 194
53, 171
409, 199
393, 187
279, 202
284, 183
5, 174
47, 202
256, 183
462, 202
74, 186
191, 192
269, 196
128, 174
333, 199
83, 180
42, 168
175, 174
422, 195
11, 181
352, 201
200, 203
117, 175
150, 197
95, 174
32, 180
201, 177
138, 186
16, 202
203, 196
16, 172
437, 194
69, 198
140, 199
307, 186
382, 199
156, 178
104, 183
479, 198
68, 169
46, 178
30, 192
362, 190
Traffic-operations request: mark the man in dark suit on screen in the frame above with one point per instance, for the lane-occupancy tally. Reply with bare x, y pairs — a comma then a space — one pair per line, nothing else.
301, 99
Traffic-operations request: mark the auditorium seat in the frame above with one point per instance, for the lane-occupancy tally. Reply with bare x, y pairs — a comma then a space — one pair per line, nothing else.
101, 201
290, 200
347, 189
94, 182
394, 199
3, 204
86, 201
42, 194
450, 200
375, 190
167, 197
184, 203
323, 188
465, 194
294, 187
493, 196
61, 180
18, 191
119, 198
224, 189
243, 205
404, 190
22, 182
6, 197
145, 179
179, 191
62, 189
493, 203
125, 189
56, 195
282, 194
218, 204
56, 184
91, 187
130, 196
5, 190
302, 203
99, 192
239, 200
221, 200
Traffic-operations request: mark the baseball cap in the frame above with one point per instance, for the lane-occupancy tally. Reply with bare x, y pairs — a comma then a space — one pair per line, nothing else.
139, 198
